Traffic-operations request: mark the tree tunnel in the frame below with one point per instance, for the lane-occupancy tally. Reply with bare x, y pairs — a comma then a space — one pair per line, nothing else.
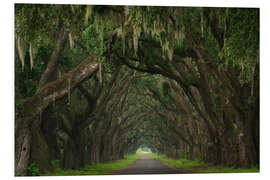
94, 83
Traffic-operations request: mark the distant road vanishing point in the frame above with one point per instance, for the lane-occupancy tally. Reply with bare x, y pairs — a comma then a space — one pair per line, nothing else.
147, 165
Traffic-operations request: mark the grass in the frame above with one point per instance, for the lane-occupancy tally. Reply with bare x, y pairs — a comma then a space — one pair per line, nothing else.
221, 169
198, 166
95, 169
177, 163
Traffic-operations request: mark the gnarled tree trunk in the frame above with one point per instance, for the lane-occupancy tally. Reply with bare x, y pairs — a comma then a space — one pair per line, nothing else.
44, 97
246, 146
48, 128
40, 150
22, 150
74, 151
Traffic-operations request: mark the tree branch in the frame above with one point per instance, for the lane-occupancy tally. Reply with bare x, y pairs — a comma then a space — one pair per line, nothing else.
59, 88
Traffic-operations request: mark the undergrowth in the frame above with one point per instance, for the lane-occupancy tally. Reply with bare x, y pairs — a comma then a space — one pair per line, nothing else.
198, 166
178, 163
94, 169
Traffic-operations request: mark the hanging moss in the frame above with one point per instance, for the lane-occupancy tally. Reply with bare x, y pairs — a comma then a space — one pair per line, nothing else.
21, 49
69, 89
32, 52
155, 22
136, 36
100, 73
88, 14
71, 41
121, 33
202, 22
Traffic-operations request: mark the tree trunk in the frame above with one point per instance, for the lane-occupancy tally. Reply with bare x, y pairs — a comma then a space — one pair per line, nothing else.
48, 127
95, 153
113, 146
246, 146
41, 154
59, 88
74, 152
36, 104
228, 140
22, 150
121, 152
101, 153
228, 154
195, 151
255, 118
50, 72
212, 154
107, 152
40, 150
89, 147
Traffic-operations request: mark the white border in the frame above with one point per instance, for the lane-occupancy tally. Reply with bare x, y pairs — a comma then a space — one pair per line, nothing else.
216, 3
7, 83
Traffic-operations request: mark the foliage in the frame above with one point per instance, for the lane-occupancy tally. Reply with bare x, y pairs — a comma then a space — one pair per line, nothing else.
183, 153
33, 170
202, 63
222, 169
95, 169
178, 163
198, 166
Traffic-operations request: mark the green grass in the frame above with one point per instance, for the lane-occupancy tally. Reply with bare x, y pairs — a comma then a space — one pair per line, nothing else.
95, 169
221, 169
198, 166
178, 163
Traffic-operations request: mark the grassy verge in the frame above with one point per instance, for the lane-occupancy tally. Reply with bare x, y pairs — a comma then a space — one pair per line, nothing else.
221, 169
198, 166
177, 163
95, 169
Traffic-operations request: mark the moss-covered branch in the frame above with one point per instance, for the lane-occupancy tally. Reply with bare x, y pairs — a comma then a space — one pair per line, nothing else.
59, 88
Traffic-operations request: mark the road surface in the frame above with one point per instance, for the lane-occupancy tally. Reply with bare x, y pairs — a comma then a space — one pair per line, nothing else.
147, 165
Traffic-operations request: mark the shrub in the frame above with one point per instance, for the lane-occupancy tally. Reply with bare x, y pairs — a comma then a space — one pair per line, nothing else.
33, 170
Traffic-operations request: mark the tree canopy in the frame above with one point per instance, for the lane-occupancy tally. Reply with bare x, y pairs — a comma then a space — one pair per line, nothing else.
93, 83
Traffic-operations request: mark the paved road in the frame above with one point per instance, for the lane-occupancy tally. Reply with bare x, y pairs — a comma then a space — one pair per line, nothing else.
147, 165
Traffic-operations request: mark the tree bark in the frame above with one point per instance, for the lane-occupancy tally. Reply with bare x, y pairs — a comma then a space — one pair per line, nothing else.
89, 147
41, 153
74, 151
246, 146
48, 127
45, 96
195, 151
40, 150
96, 149
51, 68
227, 140
22, 151
59, 88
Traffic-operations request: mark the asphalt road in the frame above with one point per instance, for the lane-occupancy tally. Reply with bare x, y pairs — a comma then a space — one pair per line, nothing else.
147, 165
